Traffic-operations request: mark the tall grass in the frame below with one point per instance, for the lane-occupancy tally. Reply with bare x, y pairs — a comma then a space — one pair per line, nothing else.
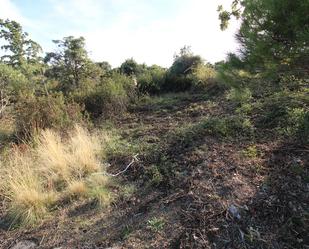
40, 176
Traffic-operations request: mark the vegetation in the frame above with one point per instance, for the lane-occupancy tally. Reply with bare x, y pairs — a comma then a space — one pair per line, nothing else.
191, 156
36, 177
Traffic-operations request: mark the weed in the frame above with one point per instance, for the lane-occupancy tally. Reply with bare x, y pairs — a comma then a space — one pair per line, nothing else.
250, 152
156, 224
127, 191
125, 233
154, 175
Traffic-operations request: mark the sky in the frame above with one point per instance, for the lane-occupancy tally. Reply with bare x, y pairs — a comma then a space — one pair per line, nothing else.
150, 31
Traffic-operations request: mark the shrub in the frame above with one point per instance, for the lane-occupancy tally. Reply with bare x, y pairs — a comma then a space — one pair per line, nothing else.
203, 76
151, 80
156, 224
111, 97
285, 112
34, 113
228, 126
240, 96
177, 83
179, 76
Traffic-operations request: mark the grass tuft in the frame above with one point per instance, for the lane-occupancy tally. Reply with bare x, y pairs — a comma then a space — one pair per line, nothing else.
37, 177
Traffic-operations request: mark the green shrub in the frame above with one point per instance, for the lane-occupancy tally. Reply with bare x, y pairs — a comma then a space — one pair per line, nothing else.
177, 83
34, 113
109, 98
179, 77
204, 76
151, 80
154, 175
286, 112
250, 152
222, 127
240, 96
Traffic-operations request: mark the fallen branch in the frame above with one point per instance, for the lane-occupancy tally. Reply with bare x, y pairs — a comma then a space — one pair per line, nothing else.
134, 159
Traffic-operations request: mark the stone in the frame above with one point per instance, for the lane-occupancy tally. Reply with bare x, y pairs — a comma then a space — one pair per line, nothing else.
25, 244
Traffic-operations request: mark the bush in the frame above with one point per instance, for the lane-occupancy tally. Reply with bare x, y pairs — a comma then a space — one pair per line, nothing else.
175, 83
240, 96
179, 76
285, 112
151, 81
34, 113
204, 76
109, 98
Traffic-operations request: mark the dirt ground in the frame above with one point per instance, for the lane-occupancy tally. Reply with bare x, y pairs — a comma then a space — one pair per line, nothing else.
213, 194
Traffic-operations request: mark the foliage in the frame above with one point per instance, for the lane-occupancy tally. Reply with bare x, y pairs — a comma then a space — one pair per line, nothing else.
156, 224
12, 83
204, 75
130, 67
273, 34
240, 96
71, 64
110, 97
178, 77
154, 175
22, 50
151, 80
250, 152
34, 113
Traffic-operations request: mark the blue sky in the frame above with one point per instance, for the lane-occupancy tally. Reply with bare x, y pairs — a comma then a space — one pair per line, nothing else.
150, 31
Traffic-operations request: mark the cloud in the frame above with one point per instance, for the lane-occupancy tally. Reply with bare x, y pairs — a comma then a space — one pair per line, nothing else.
9, 11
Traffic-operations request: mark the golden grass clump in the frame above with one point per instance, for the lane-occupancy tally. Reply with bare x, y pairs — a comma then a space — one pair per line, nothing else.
23, 187
53, 169
84, 149
77, 188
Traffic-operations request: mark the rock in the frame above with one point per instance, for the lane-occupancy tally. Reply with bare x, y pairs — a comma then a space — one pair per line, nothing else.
233, 210
25, 244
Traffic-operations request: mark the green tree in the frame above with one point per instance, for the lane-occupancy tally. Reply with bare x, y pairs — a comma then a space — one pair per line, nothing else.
71, 64
12, 84
21, 49
184, 62
178, 77
131, 67
274, 34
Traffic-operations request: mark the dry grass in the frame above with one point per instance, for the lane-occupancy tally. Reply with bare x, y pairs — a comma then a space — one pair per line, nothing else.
42, 175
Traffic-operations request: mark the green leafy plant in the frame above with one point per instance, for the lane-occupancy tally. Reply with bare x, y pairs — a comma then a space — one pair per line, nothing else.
156, 224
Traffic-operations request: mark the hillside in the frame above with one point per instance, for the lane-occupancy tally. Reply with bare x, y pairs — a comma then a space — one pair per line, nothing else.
201, 153
197, 184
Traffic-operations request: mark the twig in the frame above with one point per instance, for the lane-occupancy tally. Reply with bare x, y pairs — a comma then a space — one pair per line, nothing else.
135, 159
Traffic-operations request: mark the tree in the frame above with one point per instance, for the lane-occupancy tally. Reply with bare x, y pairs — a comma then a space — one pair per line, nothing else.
274, 34
184, 62
131, 67
70, 64
22, 49
12, 84
105, 66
